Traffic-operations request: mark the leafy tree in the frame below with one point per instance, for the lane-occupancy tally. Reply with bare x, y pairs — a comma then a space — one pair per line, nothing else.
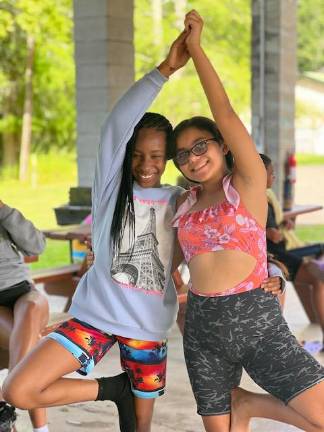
226, 38
310, 28
50, 24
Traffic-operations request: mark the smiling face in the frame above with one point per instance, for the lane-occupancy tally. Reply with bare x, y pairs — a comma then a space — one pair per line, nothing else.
149, 157
207, 166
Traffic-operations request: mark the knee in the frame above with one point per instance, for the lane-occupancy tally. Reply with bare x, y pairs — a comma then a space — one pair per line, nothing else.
16, 395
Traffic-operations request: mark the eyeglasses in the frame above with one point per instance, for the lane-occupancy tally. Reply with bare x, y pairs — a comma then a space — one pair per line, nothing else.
182, 157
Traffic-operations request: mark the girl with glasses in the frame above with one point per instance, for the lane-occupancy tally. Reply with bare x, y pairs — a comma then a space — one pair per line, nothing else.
230, 322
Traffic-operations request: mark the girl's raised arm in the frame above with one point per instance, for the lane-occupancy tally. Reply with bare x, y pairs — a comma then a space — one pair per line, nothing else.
248, 165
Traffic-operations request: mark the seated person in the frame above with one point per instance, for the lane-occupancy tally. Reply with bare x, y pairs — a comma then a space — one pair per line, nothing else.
286, 227
23, 310
302, 270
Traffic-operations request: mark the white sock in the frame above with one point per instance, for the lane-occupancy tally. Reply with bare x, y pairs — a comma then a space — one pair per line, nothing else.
41, 429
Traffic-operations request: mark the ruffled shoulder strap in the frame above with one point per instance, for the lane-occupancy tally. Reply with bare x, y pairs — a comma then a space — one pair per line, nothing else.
186, 205
231, 193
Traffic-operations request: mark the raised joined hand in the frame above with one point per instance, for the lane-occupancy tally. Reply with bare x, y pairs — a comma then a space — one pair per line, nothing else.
193, 25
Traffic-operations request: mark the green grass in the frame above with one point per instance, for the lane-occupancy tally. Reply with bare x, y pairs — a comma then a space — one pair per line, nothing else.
310, 233
48, 187
57, 253
309, 159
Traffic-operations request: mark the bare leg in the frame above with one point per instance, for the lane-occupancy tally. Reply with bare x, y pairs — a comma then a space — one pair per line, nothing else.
144, 414
40, 374
304, 276
305, 411
18, 335
6, 325
30, 317
217, 423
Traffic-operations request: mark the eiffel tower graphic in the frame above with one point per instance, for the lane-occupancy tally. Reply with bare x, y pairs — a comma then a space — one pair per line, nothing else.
141, 266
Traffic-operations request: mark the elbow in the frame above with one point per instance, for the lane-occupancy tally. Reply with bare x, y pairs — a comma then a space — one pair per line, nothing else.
37, 248
41, 247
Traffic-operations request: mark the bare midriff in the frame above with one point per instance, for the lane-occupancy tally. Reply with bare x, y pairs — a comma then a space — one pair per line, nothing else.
215, 272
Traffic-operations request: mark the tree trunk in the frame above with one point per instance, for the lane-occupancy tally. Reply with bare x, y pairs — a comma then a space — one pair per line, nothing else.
10, 139
9, 149
28, 110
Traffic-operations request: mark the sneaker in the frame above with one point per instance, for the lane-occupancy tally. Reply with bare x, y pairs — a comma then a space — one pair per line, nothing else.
7, 417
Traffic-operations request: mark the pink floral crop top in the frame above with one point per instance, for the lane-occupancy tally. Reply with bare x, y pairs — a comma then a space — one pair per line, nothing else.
224, 226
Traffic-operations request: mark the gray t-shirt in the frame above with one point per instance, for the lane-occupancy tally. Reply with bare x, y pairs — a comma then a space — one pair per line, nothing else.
18, 237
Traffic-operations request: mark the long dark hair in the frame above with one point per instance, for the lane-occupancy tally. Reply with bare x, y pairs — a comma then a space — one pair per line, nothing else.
203, 124
124, 210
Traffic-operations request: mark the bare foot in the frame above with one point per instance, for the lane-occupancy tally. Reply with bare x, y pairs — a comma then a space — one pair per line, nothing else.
240, 418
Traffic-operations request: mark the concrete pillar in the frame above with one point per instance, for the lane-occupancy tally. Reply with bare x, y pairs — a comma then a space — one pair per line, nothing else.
273, 80
104, 57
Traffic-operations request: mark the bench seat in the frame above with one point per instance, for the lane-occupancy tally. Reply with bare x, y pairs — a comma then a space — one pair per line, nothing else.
55, 274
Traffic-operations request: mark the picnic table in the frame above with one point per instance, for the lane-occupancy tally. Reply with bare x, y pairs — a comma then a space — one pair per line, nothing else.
75, 232
299, 209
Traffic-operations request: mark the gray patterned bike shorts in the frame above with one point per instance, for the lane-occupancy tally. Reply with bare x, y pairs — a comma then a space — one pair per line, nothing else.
225, 334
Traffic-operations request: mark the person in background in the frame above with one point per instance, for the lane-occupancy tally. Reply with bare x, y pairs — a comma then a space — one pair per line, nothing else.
303, 268
23, 309
286, 226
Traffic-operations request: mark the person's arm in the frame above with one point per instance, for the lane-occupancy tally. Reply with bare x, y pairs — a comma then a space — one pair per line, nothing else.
178, 257
28, 239
289, 224
276, 282
127, 112
249, 172
272, 231
274, 235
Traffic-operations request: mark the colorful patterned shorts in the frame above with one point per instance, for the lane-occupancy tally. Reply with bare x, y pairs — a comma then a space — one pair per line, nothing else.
144, 361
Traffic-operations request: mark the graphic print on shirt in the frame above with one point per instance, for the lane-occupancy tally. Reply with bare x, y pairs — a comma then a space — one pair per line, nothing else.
143, 266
